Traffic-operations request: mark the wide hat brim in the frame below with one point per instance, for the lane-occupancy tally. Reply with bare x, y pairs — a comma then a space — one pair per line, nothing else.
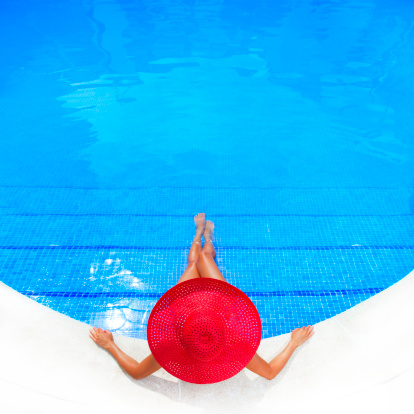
204, 330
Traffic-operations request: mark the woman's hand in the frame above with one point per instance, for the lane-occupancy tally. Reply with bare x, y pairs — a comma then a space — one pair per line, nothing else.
100, 337
301, 335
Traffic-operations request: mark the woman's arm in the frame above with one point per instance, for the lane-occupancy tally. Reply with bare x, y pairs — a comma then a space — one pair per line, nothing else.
133, 368
269, 370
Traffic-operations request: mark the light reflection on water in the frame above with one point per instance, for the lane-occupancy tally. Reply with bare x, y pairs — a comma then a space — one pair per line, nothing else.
300, 111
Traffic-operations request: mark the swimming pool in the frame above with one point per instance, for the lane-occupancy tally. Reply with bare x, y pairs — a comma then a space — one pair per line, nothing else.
288, 123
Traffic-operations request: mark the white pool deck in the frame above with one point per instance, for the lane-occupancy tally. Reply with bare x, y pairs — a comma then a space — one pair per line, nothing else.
360, 361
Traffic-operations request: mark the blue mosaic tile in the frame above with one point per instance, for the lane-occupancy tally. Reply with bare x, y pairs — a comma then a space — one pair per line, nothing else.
300, 150
90, 283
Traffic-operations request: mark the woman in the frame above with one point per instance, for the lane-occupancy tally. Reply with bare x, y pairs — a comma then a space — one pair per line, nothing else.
201, 264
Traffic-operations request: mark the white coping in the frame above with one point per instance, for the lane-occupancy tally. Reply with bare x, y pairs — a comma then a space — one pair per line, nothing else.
360, 361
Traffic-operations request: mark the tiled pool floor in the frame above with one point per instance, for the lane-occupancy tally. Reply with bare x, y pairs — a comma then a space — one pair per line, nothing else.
105, 256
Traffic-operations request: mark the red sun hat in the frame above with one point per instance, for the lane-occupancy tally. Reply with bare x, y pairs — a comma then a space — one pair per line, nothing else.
204, 330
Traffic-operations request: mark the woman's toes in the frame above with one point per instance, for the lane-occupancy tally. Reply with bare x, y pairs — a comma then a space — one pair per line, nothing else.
199, 220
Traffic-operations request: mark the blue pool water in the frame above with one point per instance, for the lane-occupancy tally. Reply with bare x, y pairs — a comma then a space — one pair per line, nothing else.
289, 123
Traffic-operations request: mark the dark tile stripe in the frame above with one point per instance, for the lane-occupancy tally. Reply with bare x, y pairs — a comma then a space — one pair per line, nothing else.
191, 215
157, 295
119, 247
205, 188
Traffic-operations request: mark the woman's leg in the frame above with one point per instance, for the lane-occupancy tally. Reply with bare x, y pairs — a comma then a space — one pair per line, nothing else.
206, 265
191, 272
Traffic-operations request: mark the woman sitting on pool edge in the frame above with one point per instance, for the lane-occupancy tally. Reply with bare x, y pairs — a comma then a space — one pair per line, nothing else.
204, 330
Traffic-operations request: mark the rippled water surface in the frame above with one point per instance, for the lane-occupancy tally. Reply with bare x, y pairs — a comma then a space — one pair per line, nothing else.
289, 123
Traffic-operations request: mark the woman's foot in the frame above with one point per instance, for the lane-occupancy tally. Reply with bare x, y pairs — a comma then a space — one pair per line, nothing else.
208, 231
200, 223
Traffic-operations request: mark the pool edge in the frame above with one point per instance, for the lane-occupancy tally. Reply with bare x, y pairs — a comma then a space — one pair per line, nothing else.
360, 359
